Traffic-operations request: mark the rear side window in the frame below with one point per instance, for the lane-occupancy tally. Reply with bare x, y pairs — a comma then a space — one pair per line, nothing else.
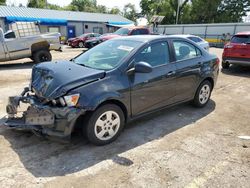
240, 39
155, 54
143, 31
135, 32
185, 50
195, 39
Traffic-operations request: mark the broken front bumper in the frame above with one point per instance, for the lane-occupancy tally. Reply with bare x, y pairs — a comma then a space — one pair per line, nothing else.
45, 120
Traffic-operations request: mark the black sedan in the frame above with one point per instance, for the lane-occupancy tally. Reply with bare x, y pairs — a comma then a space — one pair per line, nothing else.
113, 83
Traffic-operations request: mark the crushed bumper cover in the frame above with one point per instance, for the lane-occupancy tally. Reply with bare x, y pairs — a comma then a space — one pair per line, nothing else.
43, 120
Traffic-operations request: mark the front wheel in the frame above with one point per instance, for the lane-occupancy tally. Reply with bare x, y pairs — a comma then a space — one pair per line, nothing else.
203, 94
81, 44
41, 56
105, 124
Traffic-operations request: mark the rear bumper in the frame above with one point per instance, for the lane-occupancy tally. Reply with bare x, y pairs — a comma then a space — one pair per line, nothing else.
239, 61
47, 121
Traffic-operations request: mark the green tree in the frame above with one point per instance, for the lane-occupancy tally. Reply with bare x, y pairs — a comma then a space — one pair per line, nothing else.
167, 8
129, 12
204, 11
174, 6
83, 5
115, 10
36, 3
2, 2
101, 9
232, 10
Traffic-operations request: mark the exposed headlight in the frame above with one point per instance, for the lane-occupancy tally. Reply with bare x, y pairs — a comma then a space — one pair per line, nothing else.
71, 100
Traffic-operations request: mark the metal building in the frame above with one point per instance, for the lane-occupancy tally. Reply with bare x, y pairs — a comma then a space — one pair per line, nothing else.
68, 23
212, 33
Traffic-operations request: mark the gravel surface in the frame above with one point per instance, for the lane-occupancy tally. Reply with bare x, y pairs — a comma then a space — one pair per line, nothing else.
178, 147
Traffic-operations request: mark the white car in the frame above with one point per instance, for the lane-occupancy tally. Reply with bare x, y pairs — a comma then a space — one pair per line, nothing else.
201, 42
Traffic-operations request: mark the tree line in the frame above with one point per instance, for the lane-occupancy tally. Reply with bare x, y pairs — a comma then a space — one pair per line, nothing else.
187, 11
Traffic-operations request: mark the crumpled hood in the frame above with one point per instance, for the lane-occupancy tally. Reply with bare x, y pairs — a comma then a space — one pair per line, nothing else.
54, 79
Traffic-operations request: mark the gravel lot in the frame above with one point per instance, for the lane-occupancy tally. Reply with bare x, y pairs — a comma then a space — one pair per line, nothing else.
178, 147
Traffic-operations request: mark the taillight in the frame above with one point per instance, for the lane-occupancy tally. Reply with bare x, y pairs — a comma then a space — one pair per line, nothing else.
217, 62
228, 46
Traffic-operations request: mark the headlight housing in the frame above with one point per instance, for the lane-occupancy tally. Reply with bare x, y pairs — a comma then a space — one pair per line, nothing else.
70, 100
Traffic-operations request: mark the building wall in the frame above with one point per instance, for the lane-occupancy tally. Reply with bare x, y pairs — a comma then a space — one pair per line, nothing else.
93, 27
2, 25
78, 27
62, 29
204, 30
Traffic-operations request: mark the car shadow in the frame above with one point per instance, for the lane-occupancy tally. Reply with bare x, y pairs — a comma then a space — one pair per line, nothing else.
16, 66
237, 70
46, 158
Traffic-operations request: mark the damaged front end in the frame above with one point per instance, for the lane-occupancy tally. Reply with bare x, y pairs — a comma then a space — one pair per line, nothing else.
42, 117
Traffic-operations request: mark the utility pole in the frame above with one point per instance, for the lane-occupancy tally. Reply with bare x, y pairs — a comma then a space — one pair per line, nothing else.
178, 11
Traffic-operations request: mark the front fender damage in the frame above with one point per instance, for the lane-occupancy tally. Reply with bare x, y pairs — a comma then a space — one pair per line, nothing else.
42, 119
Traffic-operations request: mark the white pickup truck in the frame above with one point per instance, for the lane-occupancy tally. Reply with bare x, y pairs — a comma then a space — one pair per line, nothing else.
25, 40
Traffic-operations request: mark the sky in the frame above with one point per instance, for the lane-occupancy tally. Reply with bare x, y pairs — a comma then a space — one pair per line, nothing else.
107, 3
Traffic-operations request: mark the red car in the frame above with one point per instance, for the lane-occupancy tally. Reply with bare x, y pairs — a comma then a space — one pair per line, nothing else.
80, 40
237, 51
126, 31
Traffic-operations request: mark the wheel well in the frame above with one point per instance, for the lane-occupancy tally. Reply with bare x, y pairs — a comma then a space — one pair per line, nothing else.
118, 103
210, 80
40, 46
82, 118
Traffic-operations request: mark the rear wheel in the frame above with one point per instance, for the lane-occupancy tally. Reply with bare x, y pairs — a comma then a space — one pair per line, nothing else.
41, 56
105, 124
225, 65
203, 94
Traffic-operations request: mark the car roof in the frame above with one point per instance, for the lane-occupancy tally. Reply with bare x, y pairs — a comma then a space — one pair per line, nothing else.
145, 38
136, 27
185, 35
244, 33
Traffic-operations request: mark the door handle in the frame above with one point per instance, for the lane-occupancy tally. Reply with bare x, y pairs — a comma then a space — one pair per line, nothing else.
170, 73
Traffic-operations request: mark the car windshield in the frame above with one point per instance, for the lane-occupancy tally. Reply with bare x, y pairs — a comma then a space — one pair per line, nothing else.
122, 31
108, 55
195, 39
83, 35
240, 39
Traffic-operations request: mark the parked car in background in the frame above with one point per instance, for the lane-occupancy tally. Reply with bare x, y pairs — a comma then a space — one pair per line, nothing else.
237, 51
80, 40
25, 40
125, 31
200, 41
115, 82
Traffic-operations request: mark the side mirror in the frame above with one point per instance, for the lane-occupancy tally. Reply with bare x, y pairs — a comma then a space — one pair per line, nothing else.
143, 67
1, 35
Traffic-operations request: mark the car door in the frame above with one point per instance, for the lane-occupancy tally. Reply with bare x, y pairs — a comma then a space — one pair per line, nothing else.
2, 52
156, 89
188, 68
17, 47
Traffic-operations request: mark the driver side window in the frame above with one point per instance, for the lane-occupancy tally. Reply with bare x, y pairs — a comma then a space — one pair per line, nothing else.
155, 54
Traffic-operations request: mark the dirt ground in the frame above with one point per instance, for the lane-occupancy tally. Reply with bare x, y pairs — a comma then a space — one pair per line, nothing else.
178, 147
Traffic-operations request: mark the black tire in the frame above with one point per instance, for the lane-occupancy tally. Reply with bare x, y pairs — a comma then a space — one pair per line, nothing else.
92, 128
80, 44
201, 98
225, 65
41, 56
